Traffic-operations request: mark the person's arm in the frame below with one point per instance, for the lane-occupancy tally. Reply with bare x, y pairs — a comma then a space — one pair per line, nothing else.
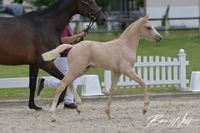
72, 39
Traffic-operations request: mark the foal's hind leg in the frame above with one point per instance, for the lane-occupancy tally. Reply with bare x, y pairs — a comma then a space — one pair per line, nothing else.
131, 74
112, 91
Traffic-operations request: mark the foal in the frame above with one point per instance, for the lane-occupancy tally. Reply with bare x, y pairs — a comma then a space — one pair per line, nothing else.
118, 55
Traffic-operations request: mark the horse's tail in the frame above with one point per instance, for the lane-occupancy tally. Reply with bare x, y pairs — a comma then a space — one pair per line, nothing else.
50, 55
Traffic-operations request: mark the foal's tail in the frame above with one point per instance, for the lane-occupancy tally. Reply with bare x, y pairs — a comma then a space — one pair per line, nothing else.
50, 55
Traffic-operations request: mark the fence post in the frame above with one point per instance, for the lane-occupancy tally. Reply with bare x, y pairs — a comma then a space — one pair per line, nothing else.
107, 80
109, 26
79, 25
182, 70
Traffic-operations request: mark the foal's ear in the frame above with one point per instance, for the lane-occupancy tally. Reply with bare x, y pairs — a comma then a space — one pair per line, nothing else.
146, 17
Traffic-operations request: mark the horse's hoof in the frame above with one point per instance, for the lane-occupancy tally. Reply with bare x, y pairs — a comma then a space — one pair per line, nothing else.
35, 107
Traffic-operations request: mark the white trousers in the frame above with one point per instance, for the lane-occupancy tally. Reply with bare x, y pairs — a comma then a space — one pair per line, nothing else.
62, 64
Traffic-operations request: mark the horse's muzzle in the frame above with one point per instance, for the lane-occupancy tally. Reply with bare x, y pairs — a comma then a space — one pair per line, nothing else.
101, 19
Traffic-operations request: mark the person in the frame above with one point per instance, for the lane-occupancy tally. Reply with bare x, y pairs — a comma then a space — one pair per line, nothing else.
67, 37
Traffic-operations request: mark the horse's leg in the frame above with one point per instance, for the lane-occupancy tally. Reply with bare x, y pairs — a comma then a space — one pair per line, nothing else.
131, 74
60, 88
33, 72
112, 91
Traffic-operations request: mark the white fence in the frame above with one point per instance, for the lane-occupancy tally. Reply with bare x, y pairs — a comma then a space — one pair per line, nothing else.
90, 83
156, 71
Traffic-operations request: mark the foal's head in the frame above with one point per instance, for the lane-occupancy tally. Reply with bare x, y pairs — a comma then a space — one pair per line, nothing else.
148, 31
90, 9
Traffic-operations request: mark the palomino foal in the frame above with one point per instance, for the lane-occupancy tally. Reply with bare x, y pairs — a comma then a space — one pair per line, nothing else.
118, 55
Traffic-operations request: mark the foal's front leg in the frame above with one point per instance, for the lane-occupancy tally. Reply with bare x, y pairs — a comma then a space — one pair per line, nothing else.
112, 91
131, 74
60, 88
76, 96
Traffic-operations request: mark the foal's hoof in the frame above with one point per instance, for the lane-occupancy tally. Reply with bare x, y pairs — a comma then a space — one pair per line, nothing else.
78, 110
144, 111
53, 120
60, 100
108, 114
35, 107
105, 92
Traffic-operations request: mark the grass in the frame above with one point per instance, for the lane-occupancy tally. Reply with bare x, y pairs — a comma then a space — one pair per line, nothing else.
188, 40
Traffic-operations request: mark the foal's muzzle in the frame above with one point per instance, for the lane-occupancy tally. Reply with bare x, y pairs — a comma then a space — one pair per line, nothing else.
158, 38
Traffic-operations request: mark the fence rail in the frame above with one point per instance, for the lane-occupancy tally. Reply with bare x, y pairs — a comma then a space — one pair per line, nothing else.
111, 24
156, 71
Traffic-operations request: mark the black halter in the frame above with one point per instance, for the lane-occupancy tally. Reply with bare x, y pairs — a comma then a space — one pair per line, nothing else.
93, 17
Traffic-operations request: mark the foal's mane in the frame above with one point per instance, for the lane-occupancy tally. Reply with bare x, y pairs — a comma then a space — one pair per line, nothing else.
133, 26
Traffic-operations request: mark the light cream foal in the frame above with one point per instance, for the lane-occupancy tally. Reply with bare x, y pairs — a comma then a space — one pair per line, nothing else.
118, 55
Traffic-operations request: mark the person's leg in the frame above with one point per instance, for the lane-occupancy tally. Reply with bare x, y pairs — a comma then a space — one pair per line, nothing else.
69, 99
62, 65
45, 83
52, 82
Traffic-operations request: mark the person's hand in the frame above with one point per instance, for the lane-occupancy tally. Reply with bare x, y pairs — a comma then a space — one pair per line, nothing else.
81, 34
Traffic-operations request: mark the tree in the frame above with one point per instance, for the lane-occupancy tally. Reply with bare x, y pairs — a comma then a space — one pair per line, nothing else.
37, 3
18, 1
140, 3
41, 3
105, 4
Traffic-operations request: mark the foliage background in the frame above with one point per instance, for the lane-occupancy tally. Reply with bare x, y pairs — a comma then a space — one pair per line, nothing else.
105, 4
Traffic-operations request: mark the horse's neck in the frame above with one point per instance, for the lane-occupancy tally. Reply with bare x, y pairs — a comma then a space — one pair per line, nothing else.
131, 37
60, 13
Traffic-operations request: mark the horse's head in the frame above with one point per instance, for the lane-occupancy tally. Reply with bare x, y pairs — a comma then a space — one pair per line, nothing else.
89, 8
148, 31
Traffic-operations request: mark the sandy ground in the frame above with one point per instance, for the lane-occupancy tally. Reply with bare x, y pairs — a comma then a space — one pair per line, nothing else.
166, 115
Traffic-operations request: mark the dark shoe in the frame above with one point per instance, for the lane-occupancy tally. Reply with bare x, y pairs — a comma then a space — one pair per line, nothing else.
70, 106
39, 86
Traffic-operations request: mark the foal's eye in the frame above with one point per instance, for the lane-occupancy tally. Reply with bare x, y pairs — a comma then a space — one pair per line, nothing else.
148, 28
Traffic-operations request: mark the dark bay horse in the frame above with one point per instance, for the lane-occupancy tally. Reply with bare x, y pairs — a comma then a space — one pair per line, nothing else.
23, 39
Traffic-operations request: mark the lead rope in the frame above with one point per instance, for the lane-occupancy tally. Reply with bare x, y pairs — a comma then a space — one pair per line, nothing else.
89, 26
